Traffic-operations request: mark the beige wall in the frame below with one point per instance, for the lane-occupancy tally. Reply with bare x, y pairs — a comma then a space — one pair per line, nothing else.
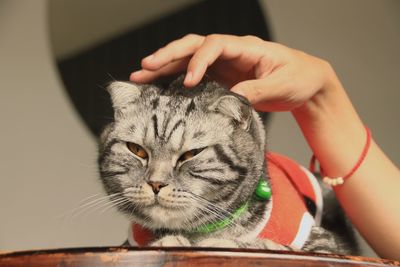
48, 159
361, 39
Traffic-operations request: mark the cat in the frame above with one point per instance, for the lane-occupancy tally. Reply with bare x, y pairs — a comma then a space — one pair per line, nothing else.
189, 168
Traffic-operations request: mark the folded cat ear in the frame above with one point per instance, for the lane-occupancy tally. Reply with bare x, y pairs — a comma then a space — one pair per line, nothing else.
122, 94
234, 107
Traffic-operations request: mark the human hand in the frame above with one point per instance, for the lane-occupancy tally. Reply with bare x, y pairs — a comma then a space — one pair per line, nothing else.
271, 76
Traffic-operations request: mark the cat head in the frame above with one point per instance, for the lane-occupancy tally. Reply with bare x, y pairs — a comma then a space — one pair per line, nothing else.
178, 158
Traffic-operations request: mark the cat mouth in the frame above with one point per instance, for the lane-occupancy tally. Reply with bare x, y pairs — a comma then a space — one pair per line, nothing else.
165, 204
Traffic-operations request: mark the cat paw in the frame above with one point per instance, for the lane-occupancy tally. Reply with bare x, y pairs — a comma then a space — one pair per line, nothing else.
217, 243
323, 241
171, 241
271, 245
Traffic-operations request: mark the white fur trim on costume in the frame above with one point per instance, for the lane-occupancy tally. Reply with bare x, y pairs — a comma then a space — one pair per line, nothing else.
307, 222
318, 195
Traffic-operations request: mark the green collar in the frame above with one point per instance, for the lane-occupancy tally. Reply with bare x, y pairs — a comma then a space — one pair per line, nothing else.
214, 226
261, 193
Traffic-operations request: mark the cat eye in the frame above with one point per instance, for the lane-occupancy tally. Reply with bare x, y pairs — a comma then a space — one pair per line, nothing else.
190, 154
137, 150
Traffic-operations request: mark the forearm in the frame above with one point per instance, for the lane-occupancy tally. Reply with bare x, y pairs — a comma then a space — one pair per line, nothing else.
370, 196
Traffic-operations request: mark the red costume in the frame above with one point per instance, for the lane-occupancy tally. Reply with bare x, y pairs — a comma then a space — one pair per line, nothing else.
295, 206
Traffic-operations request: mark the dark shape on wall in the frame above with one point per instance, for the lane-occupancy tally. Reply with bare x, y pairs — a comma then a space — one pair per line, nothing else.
87, 73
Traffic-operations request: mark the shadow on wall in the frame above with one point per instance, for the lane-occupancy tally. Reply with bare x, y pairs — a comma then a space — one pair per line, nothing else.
86, 74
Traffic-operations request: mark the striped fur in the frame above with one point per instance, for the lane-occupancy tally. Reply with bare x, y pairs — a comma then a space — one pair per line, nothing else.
206, 188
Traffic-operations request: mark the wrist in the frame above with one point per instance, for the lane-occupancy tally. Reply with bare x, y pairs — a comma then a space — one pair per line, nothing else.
325, 100
330, 109
332, 127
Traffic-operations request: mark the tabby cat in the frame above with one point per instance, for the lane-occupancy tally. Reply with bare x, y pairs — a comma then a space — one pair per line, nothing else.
187, 165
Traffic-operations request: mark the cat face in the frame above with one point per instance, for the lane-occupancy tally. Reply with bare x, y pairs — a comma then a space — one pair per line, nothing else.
179, 158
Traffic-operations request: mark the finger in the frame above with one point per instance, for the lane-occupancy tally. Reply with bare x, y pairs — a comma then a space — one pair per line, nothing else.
173, 51
212, 48
265, 93
145, 76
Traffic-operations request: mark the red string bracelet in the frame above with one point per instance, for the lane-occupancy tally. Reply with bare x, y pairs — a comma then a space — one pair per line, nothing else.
340, 180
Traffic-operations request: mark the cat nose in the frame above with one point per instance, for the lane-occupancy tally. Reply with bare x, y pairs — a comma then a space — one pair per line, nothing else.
156, 186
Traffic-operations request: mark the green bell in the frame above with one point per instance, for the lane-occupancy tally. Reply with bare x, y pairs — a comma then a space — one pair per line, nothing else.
263, 190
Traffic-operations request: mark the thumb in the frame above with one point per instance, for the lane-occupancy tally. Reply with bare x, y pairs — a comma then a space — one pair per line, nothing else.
264, 90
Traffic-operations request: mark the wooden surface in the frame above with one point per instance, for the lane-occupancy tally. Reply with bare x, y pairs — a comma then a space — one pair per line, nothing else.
117, 256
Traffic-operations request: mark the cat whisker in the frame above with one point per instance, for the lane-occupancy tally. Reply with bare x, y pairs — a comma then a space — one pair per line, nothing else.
208, 203
109, 74
213, 209
216, 210
218, 217
98, 201
118, 202
83, 207
91, 197
130, 216
134, 207
105, 204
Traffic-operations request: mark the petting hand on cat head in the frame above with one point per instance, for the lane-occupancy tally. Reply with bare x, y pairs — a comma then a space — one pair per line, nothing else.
271, 76
274, 77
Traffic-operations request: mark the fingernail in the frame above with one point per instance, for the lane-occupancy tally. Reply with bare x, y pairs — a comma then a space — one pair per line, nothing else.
135, 74
149, 58
188, 78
